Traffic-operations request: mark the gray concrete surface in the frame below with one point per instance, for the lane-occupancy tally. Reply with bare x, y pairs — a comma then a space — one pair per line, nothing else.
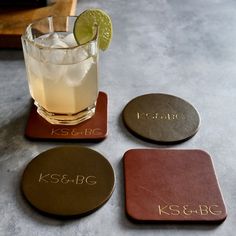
182, 47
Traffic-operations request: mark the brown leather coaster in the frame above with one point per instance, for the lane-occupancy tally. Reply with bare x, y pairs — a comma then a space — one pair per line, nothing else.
172, 185
68, 181
161, 118
92, 129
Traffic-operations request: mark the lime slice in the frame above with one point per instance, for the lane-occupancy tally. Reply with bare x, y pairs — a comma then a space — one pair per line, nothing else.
88, 22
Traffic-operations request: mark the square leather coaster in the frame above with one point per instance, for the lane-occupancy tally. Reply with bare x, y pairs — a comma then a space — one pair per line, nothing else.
91, 129
171, 186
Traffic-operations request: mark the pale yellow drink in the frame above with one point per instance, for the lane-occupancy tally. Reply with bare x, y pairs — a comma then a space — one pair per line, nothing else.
61, 84
62, 76
67, 88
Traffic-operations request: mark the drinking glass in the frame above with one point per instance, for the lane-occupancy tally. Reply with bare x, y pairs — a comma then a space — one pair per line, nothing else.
62, 75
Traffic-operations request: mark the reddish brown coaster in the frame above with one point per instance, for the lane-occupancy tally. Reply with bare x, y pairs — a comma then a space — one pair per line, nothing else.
172, 186
92, 129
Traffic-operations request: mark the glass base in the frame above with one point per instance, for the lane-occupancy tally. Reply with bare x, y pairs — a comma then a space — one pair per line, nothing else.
66, 119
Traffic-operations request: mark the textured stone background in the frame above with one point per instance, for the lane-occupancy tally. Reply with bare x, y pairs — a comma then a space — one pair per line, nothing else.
181, 47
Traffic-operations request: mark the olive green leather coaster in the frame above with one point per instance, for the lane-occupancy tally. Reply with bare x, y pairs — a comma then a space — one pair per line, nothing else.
161, 118
68, 181
171, 186
93, 129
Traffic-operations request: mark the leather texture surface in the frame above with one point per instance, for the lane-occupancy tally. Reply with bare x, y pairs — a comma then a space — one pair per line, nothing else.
161, 118
172, 185
68, 181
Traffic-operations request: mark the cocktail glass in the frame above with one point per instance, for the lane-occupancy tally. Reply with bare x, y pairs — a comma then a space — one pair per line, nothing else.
62, 75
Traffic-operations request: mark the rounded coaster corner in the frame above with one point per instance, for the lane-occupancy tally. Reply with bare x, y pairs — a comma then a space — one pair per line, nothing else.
172, 186
93, 129
161, 118
68, 181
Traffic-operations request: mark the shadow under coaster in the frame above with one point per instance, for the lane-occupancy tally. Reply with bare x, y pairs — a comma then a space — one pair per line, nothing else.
93, 129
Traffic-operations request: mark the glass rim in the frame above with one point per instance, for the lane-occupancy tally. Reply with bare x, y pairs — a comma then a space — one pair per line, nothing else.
32, 42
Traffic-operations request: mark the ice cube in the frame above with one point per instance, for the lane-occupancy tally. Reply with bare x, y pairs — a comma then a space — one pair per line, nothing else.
57, 42
44, 40
50, 40
70, 40
75, 75
80, 54
56, 56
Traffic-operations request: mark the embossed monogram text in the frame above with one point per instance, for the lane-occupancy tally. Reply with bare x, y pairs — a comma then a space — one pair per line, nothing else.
66, 179
75, 132
159, 116
188, 210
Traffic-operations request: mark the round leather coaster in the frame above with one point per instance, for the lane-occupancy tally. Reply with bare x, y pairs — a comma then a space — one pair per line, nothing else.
68, 181
161, 118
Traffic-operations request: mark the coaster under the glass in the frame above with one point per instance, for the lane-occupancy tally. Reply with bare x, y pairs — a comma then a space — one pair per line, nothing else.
94, 128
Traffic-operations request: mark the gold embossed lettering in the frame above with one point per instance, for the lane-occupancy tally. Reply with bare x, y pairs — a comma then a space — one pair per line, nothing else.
203, 210
75, 132
189, 210
88, 132
138, 115
97, 131
42, 178
91, 180
79, 179
162, 210
55, 132
65, 131
174, 210
186, 210
159, 116
64, 179
55, 178
142, 115
59, 131
213, 211
149, 115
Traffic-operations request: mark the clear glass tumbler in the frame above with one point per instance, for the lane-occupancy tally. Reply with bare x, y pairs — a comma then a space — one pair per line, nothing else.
62, 75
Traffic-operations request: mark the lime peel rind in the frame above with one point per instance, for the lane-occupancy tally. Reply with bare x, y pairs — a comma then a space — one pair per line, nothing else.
85, 24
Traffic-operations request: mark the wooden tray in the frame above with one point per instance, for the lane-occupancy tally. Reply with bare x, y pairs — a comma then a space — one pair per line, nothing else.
14, 21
